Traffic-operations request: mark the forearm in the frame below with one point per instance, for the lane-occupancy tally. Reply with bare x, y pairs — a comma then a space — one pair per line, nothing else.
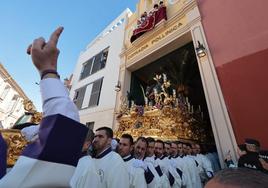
56, 100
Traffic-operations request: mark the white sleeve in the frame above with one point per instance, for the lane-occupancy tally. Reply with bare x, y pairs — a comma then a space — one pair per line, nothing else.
138, 179
85, 174
118, 176
31, 132
56, 100
207, 164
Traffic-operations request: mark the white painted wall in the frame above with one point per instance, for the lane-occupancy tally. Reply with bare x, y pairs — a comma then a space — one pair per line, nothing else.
10, 110
102, 115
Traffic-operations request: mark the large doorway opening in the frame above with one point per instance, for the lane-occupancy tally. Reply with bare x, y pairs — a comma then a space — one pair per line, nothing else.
181, 70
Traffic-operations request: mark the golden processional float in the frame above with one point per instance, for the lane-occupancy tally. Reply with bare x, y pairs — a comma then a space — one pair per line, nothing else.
16, 142
166, 115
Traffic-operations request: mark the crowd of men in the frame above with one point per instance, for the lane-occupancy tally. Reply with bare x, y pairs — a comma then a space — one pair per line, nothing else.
148, 162
65, 153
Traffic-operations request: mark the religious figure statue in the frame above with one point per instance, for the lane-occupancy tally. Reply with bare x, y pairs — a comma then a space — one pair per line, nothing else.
169, 116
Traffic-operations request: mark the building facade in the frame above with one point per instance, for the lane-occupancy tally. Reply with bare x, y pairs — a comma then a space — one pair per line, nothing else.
183, 28
11, 99
238, 43
96, 75
232, 70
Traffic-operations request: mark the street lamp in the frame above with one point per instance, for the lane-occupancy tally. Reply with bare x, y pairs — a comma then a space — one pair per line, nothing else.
118, 86
200, 50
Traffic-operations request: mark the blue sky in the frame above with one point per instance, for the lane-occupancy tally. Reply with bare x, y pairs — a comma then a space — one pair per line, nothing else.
24, 20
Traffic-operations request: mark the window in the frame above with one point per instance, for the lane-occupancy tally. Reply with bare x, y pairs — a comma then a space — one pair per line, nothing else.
86, 69
95, 94
79, 96
90, 125
13, 103
88, 96
94, 64
5, 92
97, 63
104, 57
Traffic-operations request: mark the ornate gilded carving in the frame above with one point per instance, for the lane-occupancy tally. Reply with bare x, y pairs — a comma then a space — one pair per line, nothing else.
36, 117
28, 105
30, 109
164, 116
15, 142
13, 137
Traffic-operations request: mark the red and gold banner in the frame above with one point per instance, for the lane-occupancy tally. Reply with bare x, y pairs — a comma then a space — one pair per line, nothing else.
149, 23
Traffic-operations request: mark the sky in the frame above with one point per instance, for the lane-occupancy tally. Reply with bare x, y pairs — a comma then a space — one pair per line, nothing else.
21, 21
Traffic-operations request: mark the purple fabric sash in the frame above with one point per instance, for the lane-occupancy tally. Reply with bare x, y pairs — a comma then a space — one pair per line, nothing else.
60, 141
3, 156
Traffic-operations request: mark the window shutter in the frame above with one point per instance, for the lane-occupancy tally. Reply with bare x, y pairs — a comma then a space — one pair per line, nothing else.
80, 97
97, 63
86, 69
90, 125
95, 94
104, 57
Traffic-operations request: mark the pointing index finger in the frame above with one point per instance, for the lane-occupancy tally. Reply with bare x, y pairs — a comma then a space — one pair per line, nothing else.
53, 40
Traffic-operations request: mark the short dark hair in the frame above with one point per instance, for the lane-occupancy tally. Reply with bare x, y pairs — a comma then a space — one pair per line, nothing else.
143, 139
129, 137
252, 141
188, 144
108, 131
156, 6
160, 141
161, 2
242, 177
150, 139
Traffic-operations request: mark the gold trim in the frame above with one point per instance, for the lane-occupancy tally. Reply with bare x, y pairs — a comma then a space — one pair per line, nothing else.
15, 142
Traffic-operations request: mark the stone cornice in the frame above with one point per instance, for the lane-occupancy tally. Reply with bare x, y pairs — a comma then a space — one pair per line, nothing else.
7, 78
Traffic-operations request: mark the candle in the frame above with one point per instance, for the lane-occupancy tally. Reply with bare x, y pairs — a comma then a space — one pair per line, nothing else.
164, 77
146, 101
199, 107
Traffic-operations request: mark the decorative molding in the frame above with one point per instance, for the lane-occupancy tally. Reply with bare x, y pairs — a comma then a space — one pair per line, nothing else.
165, 25
7, 78
220, 121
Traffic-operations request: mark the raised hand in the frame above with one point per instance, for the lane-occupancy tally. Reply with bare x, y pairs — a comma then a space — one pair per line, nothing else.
45, 54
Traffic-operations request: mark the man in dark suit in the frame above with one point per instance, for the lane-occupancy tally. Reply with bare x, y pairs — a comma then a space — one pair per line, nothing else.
251, 158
